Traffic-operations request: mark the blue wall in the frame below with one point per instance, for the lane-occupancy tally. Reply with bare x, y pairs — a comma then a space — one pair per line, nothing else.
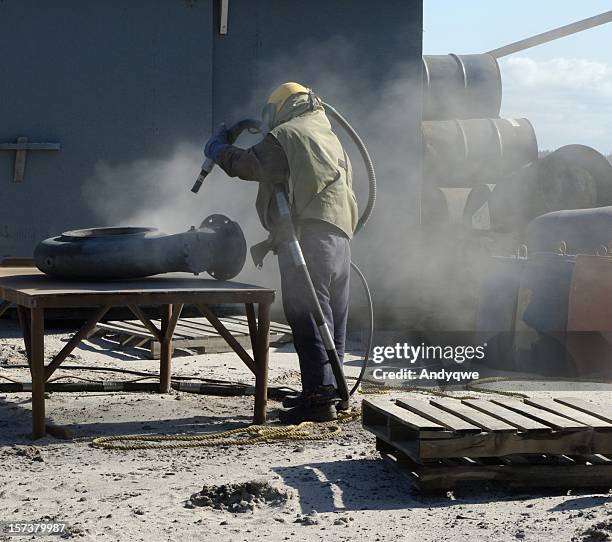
120, 81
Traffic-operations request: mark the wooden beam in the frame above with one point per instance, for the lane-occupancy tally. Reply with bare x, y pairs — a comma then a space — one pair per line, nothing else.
261, 356
176, 314
4, 306
74, 341
252, 321
24, 324
230, 339
147, 323
37, 370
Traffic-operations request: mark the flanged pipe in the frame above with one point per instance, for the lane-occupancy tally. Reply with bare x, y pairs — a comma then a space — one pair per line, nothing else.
218, 247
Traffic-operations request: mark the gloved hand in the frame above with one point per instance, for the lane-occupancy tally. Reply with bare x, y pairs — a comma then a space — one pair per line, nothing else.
216, 143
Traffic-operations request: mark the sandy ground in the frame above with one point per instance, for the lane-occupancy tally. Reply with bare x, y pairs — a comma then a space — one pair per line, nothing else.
337, 489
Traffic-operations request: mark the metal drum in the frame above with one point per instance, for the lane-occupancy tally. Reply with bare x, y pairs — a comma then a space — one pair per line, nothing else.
581, 231
465, 153
588, 159
572, 177
461, 87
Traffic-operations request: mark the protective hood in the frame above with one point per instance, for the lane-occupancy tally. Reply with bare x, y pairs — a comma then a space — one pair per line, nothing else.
294, 106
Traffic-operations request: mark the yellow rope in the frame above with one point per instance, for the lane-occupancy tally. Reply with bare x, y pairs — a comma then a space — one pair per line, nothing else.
252, 434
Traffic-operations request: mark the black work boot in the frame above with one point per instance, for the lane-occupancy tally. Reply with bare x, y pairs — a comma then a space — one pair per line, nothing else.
290, 401
318, 406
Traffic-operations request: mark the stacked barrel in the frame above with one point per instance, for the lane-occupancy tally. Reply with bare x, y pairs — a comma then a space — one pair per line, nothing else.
509, 223
467, 148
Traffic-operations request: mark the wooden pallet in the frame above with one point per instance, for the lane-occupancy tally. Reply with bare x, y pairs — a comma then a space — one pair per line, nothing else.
544, 443
193, 334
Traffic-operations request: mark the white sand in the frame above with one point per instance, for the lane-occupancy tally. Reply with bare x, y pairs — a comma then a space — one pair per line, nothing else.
141, 495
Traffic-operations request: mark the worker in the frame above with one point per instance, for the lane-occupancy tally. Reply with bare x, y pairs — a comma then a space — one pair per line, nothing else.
303, 155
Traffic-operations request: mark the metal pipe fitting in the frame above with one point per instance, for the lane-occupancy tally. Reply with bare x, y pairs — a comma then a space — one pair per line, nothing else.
218, 247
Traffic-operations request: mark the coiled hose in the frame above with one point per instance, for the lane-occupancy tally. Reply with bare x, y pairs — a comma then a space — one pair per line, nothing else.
367, 162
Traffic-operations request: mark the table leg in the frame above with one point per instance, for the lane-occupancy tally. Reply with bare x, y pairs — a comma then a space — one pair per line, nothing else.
37, 370
261, 352
24, 323
252, 320
165, 359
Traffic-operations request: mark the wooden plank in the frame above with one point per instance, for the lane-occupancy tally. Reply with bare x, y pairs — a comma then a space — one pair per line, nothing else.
182, 329
445, 475
571, 413
24, 144
17, 262
29, 287
544, 416
505, 444
603, 412
471, 415
126, 342
405, 417
518, 476
437, 415
136, 326
509, 416
110, 326
206, 346
207, 327
593, 459
274, 326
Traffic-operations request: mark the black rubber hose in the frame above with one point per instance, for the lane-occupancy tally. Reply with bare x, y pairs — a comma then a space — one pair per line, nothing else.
369, 166
365, 155
370, 340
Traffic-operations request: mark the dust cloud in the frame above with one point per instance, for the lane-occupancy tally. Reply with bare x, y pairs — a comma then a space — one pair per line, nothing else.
156, 191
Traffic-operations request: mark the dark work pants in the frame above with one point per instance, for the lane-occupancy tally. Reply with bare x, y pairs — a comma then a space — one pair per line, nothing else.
328, 257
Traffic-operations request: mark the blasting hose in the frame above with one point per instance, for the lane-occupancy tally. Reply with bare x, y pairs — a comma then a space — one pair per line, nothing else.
367, 161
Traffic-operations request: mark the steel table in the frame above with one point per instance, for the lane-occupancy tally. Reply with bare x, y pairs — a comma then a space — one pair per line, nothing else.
33, 292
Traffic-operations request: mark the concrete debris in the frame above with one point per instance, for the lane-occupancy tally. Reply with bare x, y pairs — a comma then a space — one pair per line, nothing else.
601, 532
30, 452
309, 519
12, 354
245, 497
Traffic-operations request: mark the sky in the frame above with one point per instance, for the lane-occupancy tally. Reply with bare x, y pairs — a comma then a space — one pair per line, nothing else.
564, 87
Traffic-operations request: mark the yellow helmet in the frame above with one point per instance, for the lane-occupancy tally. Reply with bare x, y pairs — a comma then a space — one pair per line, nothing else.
278, 98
